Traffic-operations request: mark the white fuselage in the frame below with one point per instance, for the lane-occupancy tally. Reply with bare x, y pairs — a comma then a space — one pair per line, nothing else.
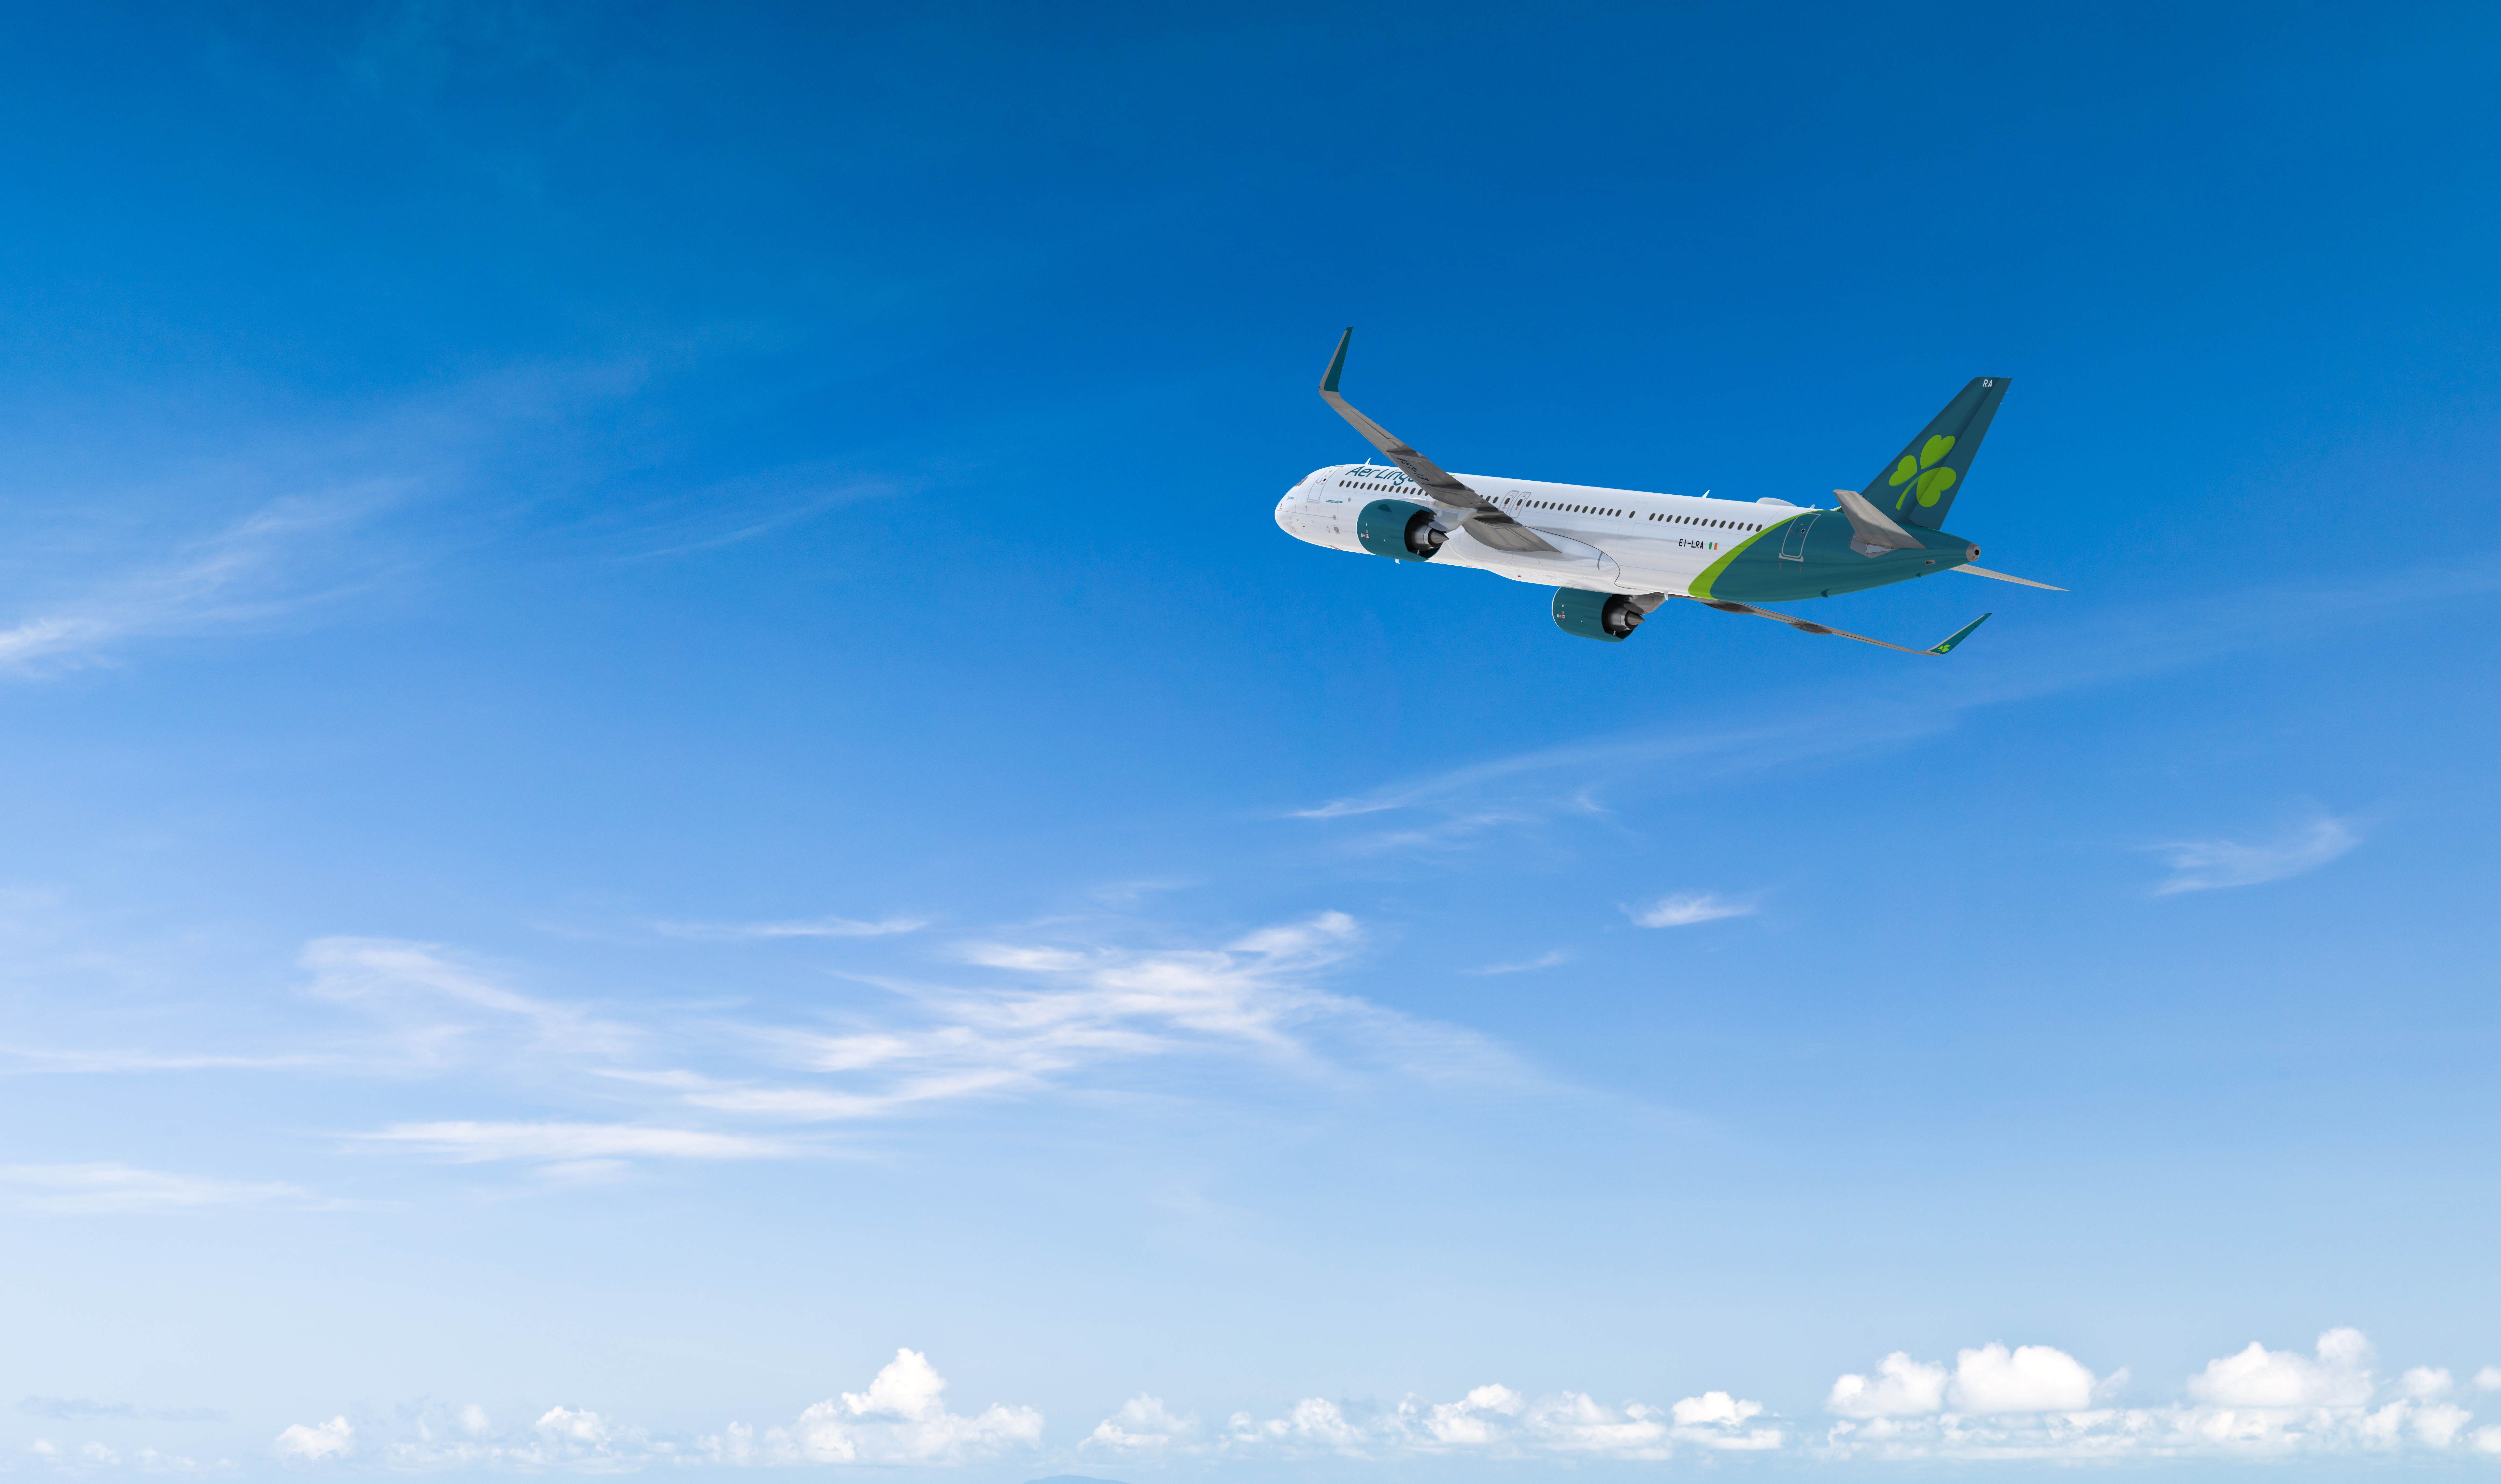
1605, 540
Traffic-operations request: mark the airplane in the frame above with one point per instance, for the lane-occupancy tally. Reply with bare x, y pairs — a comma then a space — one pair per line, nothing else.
1614, 556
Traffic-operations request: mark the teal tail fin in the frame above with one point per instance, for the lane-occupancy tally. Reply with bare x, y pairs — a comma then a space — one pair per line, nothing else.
1918, 486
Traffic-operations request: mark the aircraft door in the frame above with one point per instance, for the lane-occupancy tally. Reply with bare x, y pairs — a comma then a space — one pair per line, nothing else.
1793, 540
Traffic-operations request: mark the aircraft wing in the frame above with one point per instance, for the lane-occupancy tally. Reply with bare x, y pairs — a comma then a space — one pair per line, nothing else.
1484, 520
1809, 627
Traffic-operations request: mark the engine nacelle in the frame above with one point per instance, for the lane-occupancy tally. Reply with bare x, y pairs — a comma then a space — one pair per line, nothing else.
1401, 530
1610, 617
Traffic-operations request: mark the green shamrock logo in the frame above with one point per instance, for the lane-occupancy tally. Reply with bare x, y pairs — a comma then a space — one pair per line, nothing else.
1932, 482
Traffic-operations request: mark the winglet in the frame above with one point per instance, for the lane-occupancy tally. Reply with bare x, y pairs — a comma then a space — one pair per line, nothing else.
1960, 634
1337, 363
1486, 520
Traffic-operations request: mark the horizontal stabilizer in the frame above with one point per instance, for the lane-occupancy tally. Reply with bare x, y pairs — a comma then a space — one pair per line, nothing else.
1872, 532
2007, 577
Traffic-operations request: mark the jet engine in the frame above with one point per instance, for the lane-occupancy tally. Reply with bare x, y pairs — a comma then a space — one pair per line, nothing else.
1611, 617
1401, 530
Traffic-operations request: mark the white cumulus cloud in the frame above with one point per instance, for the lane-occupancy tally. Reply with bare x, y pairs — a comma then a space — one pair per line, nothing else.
2037, 1403
1475, 1419
566, 1425
2339, 1375
1996, 1403
2030, 1378
1717, 1407
1577, 1423
902, 1418
2440, 1423
332, 1440
1901, 1387
1143, 1424
1720, 1421
1492, 1421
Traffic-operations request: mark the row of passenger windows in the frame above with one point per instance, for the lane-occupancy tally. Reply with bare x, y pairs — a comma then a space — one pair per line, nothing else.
1590, 509
1586, 510
1714, 524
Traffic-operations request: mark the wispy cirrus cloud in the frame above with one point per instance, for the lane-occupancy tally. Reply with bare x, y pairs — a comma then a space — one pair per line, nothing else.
1060, 1017
1461, 806
1068, 1013
421, 991
111, 1189
1129, 894
2209, 865
109, 1060
722, 513
219, 530
1039, 1018
269, 564
72, 1409
245, 525
94, 1457
793, 928
1548, 960
468, 1142
421, 1007
1051, 1009
1686, 908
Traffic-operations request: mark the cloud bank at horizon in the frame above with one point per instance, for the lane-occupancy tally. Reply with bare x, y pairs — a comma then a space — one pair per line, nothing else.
1995, 1403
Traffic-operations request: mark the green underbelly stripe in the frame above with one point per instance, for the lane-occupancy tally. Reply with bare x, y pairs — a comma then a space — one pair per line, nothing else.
1700, 587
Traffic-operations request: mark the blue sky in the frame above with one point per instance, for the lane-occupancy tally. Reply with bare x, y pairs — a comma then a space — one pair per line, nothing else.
667, 783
